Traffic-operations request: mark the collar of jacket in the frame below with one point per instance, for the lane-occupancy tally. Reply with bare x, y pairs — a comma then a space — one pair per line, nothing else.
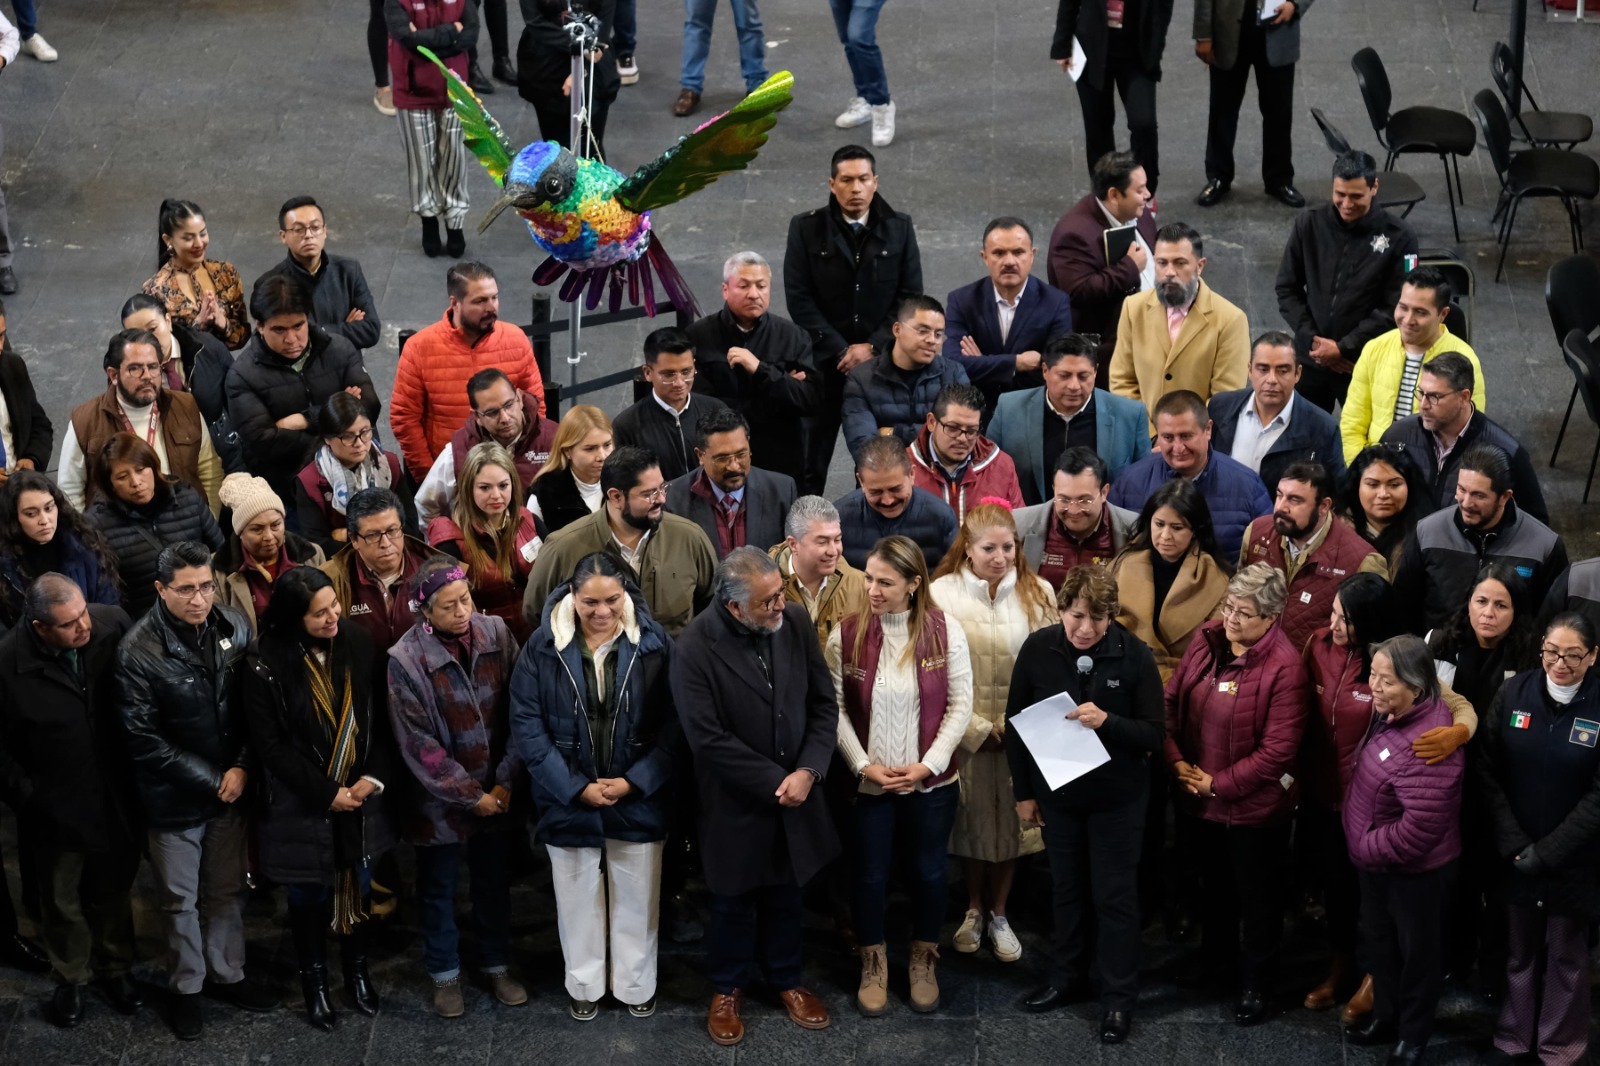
730, 325
111, 407
1110, 646
291, 265
162, 620
265, 357
877, 211
460, 335
435, 656
33, 657
1480, 538
1217, 636
563, 620
984, 452
231, 558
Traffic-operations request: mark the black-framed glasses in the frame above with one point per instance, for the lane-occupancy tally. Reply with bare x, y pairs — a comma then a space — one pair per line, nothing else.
958, 432
1573, 659
314, 229
393, 535
350, 440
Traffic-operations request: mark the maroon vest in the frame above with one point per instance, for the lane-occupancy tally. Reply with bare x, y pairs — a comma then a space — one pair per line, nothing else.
1312, 590
1062, 553
933, 682
530, 451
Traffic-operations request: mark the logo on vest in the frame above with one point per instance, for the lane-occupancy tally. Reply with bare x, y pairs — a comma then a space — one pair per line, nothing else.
1362, 697
933, 662
1380, 243
1113, 682
1584, 732
359, 608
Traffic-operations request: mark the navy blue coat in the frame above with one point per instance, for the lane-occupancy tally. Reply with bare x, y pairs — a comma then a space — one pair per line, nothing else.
877, 395
1043, 314
550, 728
1311, 435
1232, 490
927, 519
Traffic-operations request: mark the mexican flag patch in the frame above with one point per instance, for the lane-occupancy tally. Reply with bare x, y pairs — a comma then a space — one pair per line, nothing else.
1521, 720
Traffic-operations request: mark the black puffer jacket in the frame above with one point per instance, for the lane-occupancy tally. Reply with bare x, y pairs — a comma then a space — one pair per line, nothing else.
206, 362
302, 841
137, 535
184, 726
262, 388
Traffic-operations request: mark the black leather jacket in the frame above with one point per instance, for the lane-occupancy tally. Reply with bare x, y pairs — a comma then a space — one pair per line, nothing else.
185, 728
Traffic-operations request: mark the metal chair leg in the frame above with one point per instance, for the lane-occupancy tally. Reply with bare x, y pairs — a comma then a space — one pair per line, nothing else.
1592, 460
1455, 223
1505, 241
1455, 161
1567, 418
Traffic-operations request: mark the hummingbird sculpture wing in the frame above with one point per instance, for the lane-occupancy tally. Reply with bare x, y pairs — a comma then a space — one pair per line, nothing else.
725, 144
483, 136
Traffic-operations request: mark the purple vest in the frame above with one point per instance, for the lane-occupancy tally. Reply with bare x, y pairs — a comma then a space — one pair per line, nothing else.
933, 681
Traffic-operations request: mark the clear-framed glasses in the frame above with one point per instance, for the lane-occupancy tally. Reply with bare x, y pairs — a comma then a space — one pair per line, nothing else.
652, 495
204, 590
491, 413
742, 457
314, 229
670, 376
1077, 503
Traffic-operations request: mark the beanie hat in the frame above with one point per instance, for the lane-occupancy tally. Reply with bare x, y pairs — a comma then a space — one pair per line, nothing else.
248, 496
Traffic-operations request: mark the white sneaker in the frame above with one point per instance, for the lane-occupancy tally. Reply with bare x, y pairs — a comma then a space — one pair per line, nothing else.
1007, 948
859, 113
882, 124
628, 69
970, 935
39, 48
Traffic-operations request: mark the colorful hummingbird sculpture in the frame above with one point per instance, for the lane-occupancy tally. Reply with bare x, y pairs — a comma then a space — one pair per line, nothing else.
592, 220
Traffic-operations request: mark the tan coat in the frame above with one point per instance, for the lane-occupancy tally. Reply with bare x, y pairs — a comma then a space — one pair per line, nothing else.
841, 598
1211, 354
1195, 598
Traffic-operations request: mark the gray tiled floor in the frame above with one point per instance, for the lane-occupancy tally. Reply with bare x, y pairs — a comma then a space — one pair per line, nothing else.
240, 106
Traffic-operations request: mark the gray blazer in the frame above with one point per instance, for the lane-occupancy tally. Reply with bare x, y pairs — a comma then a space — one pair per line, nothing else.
767, 499
1217, 21
1033, 526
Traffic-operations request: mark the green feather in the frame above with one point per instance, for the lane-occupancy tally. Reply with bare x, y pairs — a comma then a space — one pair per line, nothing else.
482, 134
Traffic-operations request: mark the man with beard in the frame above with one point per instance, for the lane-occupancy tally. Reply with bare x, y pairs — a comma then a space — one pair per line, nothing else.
1310, 546
429, 401
758, 711
1181, 334
135, 401
502, 413
671, 558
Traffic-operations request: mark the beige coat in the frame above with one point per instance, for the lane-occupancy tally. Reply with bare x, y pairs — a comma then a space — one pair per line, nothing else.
1196, 597
844, 595
1211, 354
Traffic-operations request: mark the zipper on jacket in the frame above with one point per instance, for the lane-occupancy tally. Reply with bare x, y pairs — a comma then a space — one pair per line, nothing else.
580, 713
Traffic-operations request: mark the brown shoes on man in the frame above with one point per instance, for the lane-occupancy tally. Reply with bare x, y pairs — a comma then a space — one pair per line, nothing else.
687, 103
805, 1008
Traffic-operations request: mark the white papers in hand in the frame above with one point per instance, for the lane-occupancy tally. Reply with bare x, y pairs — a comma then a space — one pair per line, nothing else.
1269, 10
1062, 748
1075, 64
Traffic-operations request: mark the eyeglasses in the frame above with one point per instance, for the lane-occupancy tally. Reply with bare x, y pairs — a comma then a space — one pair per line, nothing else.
141, 370
489, 414
393, 535
958, 432
1573, 659
1230, 611
191, 592
315, 229
742, 457
1431, 399
1077, 503
350, 440
773, 602
670, 376
652, 495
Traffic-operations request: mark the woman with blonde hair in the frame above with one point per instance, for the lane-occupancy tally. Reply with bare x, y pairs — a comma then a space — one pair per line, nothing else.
985, 583
903, 679
567, 487
492, 533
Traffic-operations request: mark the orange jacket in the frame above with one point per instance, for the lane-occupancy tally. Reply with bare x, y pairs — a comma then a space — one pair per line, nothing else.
429, 400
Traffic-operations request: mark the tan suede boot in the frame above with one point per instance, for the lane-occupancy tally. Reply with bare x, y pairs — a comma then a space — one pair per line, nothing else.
924, 982
872, 998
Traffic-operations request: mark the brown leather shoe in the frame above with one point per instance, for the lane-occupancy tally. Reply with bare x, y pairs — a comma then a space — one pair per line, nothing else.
1327, 993
1360, 1004
805, 1008
687, 103
723, 1023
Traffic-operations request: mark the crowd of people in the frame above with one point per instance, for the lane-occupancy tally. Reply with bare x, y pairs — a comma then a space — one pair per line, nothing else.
1292, 576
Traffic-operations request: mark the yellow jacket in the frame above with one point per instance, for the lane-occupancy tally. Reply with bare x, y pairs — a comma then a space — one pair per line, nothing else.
1375, 386
1211, 354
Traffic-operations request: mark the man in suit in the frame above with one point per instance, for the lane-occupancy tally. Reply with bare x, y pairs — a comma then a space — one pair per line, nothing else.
1267, 426
733, 502
26, 434
757, 707
1181, 334
846, 268
1119, 193
1231, 39
997, 326
1122, 45
1034, 427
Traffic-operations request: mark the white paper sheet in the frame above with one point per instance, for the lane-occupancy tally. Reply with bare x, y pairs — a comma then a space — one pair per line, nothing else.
1269, 10
1075, 64
1062, 748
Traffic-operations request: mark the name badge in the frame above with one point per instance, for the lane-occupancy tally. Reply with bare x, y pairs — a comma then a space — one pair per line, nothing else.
530, 550
1228, 688
1305, 597
225, 643
1383, 755
1521, 720
1287, 781
1584, 732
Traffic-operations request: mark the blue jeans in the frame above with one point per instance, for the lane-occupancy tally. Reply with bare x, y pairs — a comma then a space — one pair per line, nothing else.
698, 15
924, 819
27, 18
625, 28
438, 869
857, 21
759, 928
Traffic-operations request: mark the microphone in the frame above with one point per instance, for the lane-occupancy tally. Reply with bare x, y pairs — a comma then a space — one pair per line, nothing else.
1085, 666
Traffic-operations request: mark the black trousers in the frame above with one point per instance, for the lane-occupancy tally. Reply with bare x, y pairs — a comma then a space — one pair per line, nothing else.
755, 934
1322, 386
822, 429
1274, 94
1124, 78
494, 20
1094, 863
540, 74
1328, 859
1402, 934
1476, 904
1243, 873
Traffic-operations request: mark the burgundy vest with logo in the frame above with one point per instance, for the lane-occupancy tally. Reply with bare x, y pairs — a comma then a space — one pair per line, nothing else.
1312, 590
530, 451
933, 681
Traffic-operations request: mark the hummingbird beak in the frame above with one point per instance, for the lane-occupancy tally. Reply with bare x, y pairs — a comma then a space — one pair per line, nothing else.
516, 194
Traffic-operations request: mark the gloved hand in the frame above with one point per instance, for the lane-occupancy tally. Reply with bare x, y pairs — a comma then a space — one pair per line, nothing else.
1438, 743
1529, 861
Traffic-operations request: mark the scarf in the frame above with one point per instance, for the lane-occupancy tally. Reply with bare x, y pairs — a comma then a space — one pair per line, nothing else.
343, 482
337, 716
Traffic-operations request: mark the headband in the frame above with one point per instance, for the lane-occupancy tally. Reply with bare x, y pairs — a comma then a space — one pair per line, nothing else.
437, 580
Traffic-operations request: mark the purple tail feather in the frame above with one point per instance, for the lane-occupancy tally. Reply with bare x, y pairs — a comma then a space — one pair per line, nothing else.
676, 288
635, 280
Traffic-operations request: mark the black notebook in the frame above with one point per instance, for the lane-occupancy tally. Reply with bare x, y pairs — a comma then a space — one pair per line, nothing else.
1118, 239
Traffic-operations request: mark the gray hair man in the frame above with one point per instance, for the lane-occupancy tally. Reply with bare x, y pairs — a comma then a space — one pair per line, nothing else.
816, 574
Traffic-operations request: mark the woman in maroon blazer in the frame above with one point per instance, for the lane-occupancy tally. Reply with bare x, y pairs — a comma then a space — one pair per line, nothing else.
1236, 710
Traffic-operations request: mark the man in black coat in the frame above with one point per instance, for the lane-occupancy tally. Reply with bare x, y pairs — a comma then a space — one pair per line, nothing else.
845, 270
282, 376
735, 503
756, 702
758, 364
27, 446
1340, 277
64, 770
665, 422
341, 301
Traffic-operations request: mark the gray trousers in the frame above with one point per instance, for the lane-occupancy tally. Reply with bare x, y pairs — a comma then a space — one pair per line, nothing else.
200, 879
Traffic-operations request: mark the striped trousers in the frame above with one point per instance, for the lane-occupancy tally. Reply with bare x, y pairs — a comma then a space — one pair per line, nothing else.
436, 164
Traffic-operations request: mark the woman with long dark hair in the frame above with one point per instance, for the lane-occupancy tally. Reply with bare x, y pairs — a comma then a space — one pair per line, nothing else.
1384, 495
41, 533
199, 292
327, 764
349, 460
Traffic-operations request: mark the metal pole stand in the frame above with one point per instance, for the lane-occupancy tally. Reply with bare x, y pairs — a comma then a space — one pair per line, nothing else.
583, 28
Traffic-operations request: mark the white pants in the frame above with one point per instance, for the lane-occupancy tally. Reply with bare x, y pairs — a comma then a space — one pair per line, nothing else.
625, 901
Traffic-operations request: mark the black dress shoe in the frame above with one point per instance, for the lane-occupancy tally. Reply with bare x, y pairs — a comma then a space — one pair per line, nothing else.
17, 951
123, 992
245, 995
8, 281
1288, 195
187, 1016
1114, 1026
1213, 193
1406, 1053
477, 81
66, 1005
1372, 1031
504, 70
1251, 1008
1050, 997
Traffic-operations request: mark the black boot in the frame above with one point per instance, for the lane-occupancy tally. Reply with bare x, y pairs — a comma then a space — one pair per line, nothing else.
477, 81
455, 242
504, 70
353, 961
310, 928
431, 245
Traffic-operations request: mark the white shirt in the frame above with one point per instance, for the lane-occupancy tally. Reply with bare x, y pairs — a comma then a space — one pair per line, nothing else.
1048, 406
1006, 310
72, 473
1252, 440
1147, 276
630, 554
667, 407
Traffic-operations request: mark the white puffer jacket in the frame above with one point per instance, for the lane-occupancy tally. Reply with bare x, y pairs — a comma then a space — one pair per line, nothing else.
995, 629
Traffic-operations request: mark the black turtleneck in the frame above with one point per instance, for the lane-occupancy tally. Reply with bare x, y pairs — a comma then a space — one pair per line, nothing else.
39, 558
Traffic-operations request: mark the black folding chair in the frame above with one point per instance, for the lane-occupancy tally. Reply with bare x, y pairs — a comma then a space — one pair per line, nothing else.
1584, 362
1572, 295
1394, 188
1567, 176
1550, 129
1414, 130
